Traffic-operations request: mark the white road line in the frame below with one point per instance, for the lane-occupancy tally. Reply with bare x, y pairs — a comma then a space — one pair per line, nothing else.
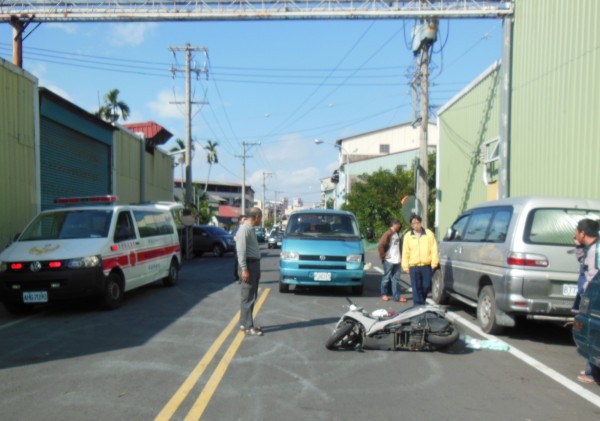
553, 374
16, 322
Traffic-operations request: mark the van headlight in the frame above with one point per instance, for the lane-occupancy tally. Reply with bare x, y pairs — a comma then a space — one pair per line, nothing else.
84, 262
290, 255
354, 258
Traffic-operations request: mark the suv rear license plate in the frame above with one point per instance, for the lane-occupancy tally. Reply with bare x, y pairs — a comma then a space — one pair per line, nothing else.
570, 290
35, 297
322, 276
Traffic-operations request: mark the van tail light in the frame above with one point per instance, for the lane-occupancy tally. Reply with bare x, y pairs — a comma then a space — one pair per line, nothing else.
527, 259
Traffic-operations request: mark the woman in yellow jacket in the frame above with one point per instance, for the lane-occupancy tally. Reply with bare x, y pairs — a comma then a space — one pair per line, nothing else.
419, 258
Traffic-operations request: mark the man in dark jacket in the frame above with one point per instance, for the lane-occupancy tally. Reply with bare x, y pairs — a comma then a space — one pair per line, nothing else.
390, 256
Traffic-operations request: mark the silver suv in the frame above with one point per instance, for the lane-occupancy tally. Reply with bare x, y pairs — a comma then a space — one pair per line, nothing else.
513, 257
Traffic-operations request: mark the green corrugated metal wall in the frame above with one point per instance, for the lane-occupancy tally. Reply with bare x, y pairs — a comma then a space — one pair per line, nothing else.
465, 126
556, 98
18, 189
555, 107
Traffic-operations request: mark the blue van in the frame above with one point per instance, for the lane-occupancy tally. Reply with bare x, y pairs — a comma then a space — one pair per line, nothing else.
322, 248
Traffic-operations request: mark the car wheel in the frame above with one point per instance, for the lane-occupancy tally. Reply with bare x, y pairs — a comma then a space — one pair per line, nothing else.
438, 292
218, 250
283, 288
112, 296
486, 311
171, 278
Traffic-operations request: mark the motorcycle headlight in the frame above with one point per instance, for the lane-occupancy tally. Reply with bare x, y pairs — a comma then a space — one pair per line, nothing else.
354, 258
84, 262
290, 255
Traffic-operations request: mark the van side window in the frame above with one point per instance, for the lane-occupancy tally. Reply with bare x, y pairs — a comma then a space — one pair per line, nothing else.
124, 230
153, 223
478, 225
499, 226
457, 229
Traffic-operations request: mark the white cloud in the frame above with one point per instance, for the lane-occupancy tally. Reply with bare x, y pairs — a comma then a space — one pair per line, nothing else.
129, 34
163, 105
68, 28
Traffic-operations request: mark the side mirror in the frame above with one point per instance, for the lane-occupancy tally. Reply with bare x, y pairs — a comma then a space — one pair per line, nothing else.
370, 234
450, 234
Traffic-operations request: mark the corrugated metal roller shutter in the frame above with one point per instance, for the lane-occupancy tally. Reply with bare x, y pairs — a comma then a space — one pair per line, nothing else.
72, 164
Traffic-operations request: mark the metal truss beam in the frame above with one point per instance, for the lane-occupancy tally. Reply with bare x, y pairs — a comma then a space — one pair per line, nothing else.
197, 10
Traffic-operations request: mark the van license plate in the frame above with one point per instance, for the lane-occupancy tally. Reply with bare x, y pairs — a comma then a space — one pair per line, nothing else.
570, 290
35, 297
322, 276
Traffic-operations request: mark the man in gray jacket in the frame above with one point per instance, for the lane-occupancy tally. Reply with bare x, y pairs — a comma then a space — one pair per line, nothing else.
248, 255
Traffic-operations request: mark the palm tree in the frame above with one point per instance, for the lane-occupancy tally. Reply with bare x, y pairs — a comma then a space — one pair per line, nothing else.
211, 157
113, 108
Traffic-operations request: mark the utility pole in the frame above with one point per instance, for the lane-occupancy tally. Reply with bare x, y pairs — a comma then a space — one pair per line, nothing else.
265, 175
188, 49
423, 38
244, 156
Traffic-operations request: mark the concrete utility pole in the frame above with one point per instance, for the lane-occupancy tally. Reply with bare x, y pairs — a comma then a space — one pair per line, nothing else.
244, 156
423, 38
188, 102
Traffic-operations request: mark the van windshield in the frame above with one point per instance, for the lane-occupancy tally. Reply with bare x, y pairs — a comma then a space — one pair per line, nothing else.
555, 226
65, 224
321, 225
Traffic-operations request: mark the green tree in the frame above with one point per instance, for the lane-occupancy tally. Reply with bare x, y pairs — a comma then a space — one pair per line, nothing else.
211, 157
376, 198
113, 108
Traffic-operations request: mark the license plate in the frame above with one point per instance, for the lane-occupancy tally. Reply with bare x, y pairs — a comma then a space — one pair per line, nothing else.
570, 290
322, 276
35, 297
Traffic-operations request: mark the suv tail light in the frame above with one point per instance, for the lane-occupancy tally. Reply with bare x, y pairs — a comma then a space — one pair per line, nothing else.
527, 259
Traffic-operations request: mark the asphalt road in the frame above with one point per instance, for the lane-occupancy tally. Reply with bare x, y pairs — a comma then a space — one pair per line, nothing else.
176, 353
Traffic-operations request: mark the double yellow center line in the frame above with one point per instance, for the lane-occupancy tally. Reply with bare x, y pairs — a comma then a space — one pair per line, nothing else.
211, 386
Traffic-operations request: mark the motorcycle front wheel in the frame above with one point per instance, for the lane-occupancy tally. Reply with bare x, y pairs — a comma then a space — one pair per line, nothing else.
343, 337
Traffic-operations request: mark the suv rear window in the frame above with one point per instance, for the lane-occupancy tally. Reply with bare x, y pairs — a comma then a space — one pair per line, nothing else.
555, 226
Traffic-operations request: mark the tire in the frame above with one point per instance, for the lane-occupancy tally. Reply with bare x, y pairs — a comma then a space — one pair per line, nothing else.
18, 309
218, 250
173, 275
343, 337
112, 296
443, 340
486, 311
357, 290
284, 288
438, 291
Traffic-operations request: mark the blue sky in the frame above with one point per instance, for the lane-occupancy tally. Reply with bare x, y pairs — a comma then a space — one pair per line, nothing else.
281, 83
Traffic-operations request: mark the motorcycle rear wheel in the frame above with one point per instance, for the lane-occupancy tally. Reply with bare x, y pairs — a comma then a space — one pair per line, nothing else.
443, 340
343, 338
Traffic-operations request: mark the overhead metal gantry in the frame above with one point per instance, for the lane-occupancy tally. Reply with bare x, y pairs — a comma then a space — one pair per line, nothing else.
197, 10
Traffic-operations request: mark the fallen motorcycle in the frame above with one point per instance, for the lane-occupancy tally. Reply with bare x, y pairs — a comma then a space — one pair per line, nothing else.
418, 328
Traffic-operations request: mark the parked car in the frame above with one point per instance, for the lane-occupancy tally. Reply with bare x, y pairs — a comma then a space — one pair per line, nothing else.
513, 257
207, 238
322, 247
93, 247
275, 239
586, 328
260, 234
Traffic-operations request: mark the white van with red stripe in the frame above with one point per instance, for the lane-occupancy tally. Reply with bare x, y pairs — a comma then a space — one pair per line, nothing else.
94, 247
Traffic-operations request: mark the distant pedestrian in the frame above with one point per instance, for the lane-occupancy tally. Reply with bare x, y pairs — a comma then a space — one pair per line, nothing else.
419, 258
236, 266
586, 236
388, 248
248, 255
